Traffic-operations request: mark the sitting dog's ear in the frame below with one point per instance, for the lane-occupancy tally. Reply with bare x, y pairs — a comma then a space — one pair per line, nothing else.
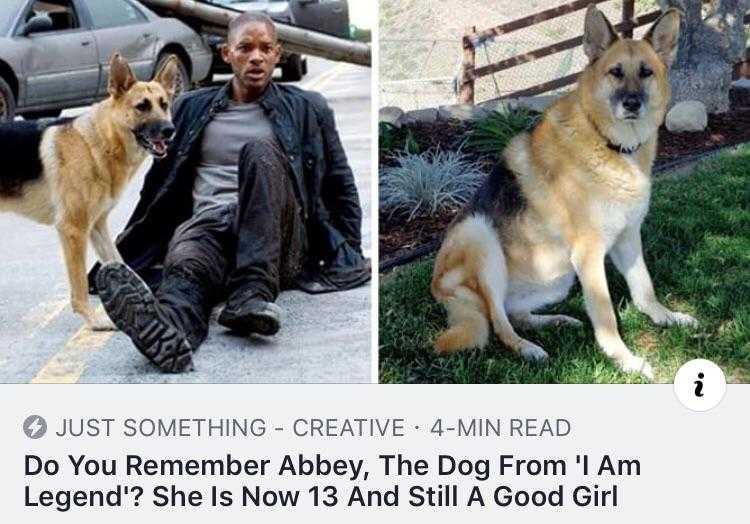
665, 34
167, 76
121, 77
598, 34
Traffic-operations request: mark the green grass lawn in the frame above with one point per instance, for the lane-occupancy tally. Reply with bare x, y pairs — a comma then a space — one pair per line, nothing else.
697, 245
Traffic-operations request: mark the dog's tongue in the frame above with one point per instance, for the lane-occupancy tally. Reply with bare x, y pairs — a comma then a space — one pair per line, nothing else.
160, 146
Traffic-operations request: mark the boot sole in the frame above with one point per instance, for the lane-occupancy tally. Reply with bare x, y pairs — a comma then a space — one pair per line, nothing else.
132, 307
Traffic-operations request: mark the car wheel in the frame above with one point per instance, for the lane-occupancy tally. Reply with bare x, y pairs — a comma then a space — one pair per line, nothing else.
183, 78
7, 102
293, 70
35, 115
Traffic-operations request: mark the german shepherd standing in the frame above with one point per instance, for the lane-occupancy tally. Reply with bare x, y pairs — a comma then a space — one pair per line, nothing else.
70, 173
572, 191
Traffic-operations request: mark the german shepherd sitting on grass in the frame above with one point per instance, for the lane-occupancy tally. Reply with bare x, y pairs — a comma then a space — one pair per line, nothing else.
567, 194
70, 172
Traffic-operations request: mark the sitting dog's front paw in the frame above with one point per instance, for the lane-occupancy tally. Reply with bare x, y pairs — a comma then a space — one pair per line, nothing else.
680, 319
661, 316
634, 364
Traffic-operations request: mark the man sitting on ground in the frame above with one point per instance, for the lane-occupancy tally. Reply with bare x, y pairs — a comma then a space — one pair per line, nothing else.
255, 195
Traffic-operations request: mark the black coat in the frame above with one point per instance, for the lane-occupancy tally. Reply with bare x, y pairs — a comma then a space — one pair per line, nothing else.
305, 128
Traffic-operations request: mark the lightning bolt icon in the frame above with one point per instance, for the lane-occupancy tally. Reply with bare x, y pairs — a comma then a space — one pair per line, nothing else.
33, 426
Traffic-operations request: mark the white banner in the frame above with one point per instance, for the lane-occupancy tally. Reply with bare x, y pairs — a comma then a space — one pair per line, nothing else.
367, 453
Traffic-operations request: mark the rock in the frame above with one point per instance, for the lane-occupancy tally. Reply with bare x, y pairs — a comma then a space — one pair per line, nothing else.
495, 105
710, 44
705, 82
420, 115
687, 116
461, 112
535, 103
739, 94
391, 115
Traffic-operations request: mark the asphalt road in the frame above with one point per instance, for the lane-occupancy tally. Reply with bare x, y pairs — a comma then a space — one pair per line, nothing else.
323, 338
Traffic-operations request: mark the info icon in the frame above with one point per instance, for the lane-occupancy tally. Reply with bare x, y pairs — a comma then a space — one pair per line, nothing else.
700, 385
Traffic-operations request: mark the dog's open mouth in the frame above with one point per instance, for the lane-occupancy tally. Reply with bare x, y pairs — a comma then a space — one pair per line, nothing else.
157, 147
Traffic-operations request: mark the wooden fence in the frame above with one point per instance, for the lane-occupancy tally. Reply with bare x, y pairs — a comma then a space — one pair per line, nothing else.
472, 39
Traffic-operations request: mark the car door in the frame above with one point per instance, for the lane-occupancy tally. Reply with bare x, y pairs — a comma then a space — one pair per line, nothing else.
62, 64
327, 16
120, 26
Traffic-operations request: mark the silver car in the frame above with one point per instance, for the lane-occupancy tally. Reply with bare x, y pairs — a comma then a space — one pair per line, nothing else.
55, 53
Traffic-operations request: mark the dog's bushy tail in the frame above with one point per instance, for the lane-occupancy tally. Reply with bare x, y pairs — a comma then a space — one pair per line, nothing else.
469, 253
468, 328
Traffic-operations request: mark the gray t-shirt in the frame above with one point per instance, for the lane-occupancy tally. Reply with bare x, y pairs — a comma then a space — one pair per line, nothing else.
216, 184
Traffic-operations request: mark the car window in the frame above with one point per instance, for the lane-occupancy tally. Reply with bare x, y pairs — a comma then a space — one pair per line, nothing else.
61, 12
113, 13
8, 12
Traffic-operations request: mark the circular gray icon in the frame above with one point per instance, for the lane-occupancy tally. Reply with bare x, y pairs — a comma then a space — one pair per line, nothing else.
35, 426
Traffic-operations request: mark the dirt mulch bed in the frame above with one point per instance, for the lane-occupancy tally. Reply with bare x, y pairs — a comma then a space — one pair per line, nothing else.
400, 241
723, 130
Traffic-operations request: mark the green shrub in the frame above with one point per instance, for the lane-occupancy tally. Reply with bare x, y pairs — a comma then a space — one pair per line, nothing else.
492, 133
392, 139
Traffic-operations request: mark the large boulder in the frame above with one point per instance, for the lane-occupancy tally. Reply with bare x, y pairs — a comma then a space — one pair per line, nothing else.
709, 47
687, 116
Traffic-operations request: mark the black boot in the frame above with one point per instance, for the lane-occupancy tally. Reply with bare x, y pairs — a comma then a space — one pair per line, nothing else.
135, 310
247, 313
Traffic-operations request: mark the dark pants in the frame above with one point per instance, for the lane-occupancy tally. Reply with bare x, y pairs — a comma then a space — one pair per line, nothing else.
257, 248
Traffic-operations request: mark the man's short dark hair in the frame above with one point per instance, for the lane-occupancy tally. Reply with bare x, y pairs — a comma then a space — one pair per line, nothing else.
250, 17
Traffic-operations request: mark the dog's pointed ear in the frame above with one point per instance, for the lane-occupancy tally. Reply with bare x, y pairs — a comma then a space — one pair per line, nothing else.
121, 77
167, 76
665, 34
598, 33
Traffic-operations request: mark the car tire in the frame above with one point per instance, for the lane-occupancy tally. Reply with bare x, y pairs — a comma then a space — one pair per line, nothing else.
36, 115
7, 102
293, 70
183, 77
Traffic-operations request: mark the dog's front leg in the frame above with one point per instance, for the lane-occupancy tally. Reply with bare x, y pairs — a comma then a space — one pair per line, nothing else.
102, 241
73, 240
588, 260
627, 255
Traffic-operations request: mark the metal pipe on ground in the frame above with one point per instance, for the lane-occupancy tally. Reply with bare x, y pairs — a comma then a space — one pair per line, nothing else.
215, 19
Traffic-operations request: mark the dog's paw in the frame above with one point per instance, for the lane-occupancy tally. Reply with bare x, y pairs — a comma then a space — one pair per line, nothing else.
680, 319
634, 364
565, 320
532, 353
661, 316
102, 324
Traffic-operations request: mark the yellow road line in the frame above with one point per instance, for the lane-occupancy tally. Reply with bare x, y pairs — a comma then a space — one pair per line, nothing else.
46, 313
67, 366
